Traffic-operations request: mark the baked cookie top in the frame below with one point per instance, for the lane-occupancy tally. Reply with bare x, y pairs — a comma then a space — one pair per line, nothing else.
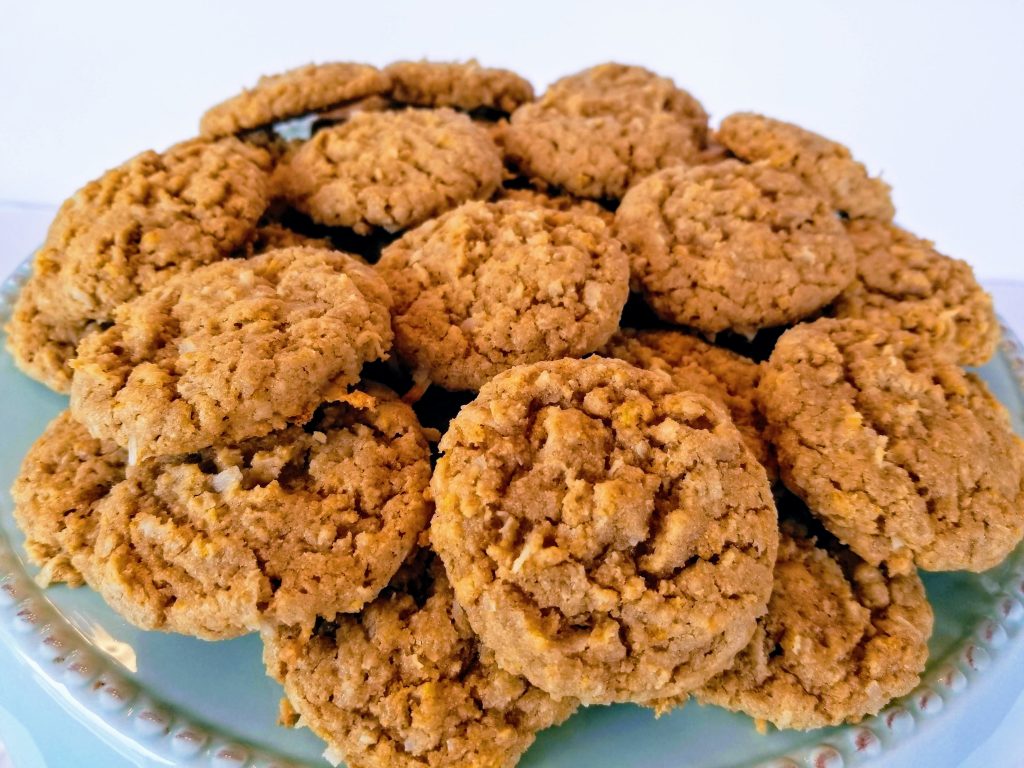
460, 85
694, 365
824, 165
904, 456
392, 169
610, 538
595, 133
733, 246
492, 285
560, 202
273, 236
903, 282
406, 684
291, 94
230, 351
841, 639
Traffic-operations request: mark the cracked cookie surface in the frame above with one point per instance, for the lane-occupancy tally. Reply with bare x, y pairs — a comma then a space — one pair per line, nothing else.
732, 247
824, 165
492, 285
903, 282
391, 170
460, 85
905, 457
232, 350
610, 537
406, 684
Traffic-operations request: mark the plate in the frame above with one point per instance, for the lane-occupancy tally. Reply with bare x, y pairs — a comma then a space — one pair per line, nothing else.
161, 699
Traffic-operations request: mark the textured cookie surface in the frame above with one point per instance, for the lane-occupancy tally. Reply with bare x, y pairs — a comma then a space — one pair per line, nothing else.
609, 537
841, 639
726, 377
460, 85
905, 457
825, 166
559, 202
903, 282
405, 684
293, 93
492, 285
392, 169
231, 351
597, 132
732, 246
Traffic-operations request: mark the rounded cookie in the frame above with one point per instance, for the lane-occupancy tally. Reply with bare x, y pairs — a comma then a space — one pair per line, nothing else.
595, 133
392, 169
610, 537
230, 351
492, 285
726, 377
732, 247
460, 85
406, 684
905, 457
305, 89
903, 282
841, 639
825, 166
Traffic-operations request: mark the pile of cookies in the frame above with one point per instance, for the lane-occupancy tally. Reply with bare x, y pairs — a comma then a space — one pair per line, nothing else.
698, 403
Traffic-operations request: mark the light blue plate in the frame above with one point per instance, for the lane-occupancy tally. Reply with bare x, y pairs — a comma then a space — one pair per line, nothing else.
160, 699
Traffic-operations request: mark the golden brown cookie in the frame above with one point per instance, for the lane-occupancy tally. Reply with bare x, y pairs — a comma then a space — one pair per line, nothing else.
905, 457
406, 684
610, 537
557, 202
903, 282
732, 246
461, 85
273, 236
825, 166
595, 133
492, 285
230, 351
694, 365
392, 169
841, 639
301, 523
290, 94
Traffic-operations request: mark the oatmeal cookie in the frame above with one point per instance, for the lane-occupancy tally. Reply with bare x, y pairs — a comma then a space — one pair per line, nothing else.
903, 282
406, 684
230, 351
841, 639
905, 457
492, 285
825, 166
460, 85
732, 247
291, 94
392, 169
726, 377
595, 133
557, 202
273, 236
610, 537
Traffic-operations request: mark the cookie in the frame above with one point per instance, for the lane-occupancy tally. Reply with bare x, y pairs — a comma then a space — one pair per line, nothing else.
406, 684
301, 523
461, 85
903, 282
273, 236
291, 94
557, 201
596, 133
345, 112
492, 285
726, 377
825, 166
841, 639
610, 538
231, 351
732, 247
905, 457
392, 169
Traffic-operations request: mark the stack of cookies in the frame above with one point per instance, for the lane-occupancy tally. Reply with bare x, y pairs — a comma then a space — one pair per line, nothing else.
698, 403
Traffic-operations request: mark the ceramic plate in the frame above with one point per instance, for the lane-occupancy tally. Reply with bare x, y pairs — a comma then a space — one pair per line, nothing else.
166, 700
